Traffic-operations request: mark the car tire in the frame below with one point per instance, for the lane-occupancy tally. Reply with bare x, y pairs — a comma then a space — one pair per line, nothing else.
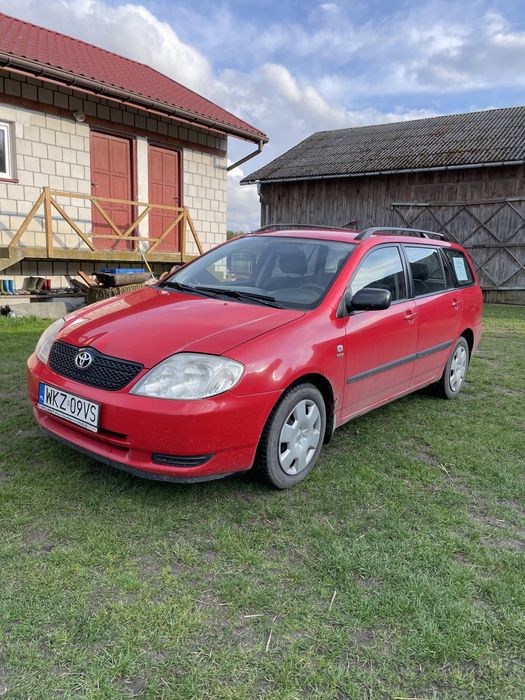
455, 372
292, 437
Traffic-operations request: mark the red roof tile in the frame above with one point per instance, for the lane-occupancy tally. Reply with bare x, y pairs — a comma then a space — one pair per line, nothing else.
28, 41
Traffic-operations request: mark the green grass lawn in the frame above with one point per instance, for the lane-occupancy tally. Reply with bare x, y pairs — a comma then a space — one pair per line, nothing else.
397, 570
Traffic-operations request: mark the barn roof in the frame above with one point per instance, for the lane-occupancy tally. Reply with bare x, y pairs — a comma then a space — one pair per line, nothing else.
453, 141
75, 63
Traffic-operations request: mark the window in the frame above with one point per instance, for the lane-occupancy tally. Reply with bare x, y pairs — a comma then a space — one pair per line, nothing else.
5, 150
461, 267
382, 269
295, 272
428, 272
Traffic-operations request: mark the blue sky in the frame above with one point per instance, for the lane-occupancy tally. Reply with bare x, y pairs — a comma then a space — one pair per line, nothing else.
292, 67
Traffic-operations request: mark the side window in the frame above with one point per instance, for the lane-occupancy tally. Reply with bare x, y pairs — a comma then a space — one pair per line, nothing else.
461, 267
6, 157
428, 271
383, 269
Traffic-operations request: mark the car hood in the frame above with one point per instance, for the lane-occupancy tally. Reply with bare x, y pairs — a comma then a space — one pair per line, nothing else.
151, 324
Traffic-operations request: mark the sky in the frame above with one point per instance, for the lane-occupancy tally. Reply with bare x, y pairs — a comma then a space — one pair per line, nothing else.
292, 67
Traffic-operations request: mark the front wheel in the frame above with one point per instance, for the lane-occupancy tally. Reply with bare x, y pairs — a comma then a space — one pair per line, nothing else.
454, 375
292, 437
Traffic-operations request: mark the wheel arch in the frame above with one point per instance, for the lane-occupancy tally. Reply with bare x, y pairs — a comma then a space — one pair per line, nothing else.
326, 389
468, 334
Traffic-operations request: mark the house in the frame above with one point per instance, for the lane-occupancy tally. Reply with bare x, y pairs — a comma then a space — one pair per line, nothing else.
102, 158
462, 175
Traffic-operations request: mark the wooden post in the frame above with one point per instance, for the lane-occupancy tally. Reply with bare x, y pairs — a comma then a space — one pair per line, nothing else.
195, 235
183, 235
48, 222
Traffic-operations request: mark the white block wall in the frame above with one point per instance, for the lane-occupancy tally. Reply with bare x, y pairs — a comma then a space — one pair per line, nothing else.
205, 196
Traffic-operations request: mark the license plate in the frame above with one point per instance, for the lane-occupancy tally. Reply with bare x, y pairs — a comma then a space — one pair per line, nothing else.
70, 407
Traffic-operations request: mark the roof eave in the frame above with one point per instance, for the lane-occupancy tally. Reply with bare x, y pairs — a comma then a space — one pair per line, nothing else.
83, 84
492, 164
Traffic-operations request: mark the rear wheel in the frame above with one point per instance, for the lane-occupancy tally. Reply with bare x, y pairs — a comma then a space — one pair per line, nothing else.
454, 375
292, 437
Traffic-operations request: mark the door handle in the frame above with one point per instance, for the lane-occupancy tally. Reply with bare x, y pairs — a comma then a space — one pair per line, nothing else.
410, 316
455, 304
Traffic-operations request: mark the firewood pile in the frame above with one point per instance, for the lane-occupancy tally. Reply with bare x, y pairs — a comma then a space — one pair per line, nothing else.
112, 282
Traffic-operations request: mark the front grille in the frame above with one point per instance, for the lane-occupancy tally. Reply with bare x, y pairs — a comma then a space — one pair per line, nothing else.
180, 460
105, 372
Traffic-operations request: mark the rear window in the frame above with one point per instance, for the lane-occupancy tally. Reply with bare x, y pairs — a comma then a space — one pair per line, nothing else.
460, 266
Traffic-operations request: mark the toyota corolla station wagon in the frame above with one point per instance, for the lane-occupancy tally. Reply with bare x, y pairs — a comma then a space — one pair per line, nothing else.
252, 354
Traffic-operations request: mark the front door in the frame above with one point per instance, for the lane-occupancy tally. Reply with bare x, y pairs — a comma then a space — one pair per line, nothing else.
164, 188
111, 177
380, 346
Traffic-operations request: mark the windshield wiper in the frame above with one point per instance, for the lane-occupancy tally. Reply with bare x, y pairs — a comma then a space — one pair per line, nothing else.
240, 294
187, 288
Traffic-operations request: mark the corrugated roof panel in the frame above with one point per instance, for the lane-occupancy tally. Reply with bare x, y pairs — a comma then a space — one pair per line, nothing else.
454, 140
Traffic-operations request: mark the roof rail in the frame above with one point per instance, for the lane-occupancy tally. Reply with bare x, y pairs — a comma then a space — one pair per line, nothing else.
285, 227
391, 230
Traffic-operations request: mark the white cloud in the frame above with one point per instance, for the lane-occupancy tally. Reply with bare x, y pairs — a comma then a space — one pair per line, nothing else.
128, 29
243, 203
296, 78
487, 53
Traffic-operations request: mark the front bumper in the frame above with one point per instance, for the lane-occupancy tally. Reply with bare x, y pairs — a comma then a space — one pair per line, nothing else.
134, 428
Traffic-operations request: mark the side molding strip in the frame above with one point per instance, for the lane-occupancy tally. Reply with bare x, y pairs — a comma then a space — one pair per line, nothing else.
401, 361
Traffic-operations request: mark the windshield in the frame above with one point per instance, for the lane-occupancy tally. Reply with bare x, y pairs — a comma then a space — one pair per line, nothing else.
291, 273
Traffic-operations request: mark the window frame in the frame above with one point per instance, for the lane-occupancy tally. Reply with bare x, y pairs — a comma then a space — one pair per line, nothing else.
9, 173
439, 251
403, 260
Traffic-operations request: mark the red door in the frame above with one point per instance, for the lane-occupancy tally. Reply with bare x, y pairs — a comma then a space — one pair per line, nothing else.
111, 177
164, 188
380, 346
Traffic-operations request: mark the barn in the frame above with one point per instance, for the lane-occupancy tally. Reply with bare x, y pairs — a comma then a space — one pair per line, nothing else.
462, 175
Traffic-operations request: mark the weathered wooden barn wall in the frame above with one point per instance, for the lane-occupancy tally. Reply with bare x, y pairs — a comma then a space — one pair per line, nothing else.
481, 208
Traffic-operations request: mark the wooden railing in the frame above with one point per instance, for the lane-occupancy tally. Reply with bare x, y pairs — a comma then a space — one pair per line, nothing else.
48, 199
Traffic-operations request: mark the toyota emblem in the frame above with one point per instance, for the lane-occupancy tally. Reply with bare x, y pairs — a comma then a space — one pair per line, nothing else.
83, 359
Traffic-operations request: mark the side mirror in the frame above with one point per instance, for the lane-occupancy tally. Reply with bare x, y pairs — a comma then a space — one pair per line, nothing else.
368, 299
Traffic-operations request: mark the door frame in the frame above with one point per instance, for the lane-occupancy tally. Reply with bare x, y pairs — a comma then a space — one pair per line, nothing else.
133, 164
158, 143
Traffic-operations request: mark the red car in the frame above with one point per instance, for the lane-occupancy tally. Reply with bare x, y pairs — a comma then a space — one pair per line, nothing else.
252, 354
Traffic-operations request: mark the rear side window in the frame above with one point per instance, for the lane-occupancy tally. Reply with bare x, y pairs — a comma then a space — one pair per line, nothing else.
428, 271
461, 267
382, 269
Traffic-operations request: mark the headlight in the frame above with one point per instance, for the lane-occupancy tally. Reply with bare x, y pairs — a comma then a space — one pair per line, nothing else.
43, 347
189, 375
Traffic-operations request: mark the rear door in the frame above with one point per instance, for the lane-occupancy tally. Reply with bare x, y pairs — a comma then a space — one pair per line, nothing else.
111, 175
439, 307
380, 346
164, 188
